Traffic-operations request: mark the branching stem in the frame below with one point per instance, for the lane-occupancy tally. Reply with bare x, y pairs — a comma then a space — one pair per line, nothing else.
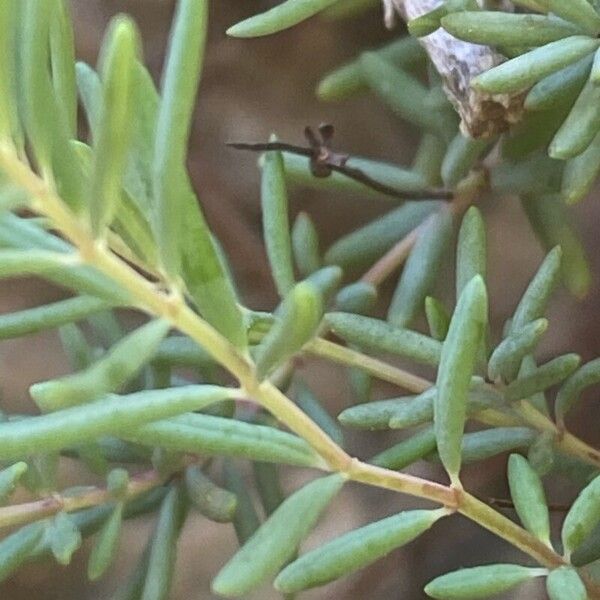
147, 297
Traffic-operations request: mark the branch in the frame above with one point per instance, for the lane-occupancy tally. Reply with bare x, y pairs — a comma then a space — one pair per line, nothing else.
323, 161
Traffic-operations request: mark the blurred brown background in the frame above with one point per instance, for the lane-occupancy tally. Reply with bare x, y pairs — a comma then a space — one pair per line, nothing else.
249, 89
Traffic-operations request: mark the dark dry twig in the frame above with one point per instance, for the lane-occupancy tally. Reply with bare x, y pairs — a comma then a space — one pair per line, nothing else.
323, 161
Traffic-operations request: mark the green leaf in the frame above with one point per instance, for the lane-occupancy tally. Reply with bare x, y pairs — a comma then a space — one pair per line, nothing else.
10, 126
582, 517
438, 318
215, 503
17, 547
161, 561
33, 320
588, 551
268, 486
565, 584
62, 55
299, 316
111, 414
277, 539
357, 297
327, 281
276, 221
379, 335
429, 158
348, 80
551, 91
408, 451
376, 414
310, 404
65, 538
454, 375
506, 359
106, 545
109, 374
545, 376
471, 256
402, 92
522, 72
223, 436
365, 245
280, 17
9, 479
355, 550
480, 582
580, 127
21, 234
570, 392
305, 245
421, 269
527, 493
179, 87
461, 156
535, 299
581, 173
482, 445
38, 98
245, 519
506, 29
119, 53
79, 353
579, 12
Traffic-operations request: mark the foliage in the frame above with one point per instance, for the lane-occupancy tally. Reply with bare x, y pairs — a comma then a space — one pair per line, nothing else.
114, 219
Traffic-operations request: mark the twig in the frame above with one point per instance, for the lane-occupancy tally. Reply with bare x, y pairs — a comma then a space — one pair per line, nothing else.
393, 258
323, 161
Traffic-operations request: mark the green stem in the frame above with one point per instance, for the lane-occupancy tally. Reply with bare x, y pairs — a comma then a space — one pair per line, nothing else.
147, 297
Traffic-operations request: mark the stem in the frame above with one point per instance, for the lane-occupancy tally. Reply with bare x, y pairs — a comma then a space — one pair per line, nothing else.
493, 521
149, 298
27, 512
352, 358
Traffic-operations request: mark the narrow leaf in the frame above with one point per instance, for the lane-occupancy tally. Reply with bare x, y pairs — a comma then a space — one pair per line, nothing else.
305, 244
111, 414
276, 221
582, 517
9, 479
118, 56
408, 451
106, 545
357, 297
480, 582
570, 392
299, 316
65, 538
420, 272
506, 359
53, 315
545, 376
284, 15
109, 374
355, 550
365, 245
527, 493
522, 72
454, 375
161, 561
564, 583
276, 541
379, 335
215, 503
